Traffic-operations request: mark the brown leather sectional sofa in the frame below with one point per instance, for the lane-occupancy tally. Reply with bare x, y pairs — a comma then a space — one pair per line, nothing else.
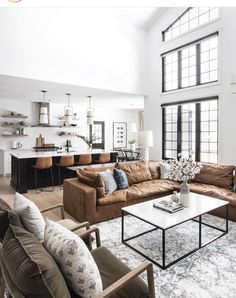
84, 197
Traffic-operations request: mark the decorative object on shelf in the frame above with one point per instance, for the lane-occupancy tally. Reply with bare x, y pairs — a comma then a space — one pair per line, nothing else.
119, 134
233, 84
132, 144
11, 114
183, 170
68, 111
90, 112
40, 141
88, 141
67, 133
174, 197
43, 110
145, 141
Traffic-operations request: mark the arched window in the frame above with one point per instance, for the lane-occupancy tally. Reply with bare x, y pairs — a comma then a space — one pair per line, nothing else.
190, 19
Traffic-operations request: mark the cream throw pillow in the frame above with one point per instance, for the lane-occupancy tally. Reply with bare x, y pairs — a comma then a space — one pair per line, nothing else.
165, 170
74, 259
30, 215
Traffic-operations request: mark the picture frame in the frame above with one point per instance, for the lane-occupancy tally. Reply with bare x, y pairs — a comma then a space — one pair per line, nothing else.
119, 134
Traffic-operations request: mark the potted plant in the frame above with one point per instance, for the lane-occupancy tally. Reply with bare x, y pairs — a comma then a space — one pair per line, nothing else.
132, 144
87, 140
184, 170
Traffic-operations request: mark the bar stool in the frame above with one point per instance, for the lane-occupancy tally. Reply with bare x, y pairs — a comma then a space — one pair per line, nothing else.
103, 158
84, 159
42, 163
65, 161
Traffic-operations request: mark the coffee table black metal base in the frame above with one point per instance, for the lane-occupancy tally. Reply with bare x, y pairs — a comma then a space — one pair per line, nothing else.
164, 265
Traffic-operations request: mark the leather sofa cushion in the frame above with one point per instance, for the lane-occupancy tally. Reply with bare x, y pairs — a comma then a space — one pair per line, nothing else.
151, 188
98, 169
154, 168
136, 172
7, 217
214, 191
93, 179
111, 269
218, 175
116, 197
30, 267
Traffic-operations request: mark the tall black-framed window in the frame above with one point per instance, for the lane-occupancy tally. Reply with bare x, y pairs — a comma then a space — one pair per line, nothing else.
190, 19
98, 130
190, 65
191, 126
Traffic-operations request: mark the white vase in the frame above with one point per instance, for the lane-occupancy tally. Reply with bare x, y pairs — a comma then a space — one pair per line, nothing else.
184, 193
132, 147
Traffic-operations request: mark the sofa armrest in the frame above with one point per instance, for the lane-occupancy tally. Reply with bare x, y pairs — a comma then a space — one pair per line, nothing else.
79, 200
145, 266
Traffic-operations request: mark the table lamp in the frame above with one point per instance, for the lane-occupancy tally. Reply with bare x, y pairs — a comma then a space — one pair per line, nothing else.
145, 141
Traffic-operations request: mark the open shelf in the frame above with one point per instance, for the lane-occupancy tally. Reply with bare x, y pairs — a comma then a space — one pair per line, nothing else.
14, 125
14, 116
14, 135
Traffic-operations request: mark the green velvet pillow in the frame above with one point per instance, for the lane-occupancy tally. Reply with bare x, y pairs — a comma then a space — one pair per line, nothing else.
30, 267
7, 217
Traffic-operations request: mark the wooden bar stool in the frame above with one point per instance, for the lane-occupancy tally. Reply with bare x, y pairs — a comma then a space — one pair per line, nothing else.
103, 158
42, 163
65, 161
84, 159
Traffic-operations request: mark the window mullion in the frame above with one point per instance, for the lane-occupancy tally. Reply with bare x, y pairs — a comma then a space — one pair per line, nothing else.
179, 130
179, 70
163, 133
198, 64
198, 132
163, 74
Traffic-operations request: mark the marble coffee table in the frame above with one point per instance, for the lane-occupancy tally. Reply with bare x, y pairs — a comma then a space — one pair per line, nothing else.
199, 205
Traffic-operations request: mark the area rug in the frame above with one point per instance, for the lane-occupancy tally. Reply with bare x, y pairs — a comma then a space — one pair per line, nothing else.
207, 273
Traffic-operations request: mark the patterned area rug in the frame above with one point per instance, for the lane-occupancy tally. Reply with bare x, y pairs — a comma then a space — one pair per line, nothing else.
207, 273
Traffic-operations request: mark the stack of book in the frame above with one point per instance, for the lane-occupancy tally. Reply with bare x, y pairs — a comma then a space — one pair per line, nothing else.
168, 206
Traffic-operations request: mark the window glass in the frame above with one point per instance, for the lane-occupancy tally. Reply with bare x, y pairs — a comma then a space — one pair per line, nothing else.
191, 65
190, 19
198, 123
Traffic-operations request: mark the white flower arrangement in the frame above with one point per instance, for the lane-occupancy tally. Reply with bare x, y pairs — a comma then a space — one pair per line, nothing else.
183, 169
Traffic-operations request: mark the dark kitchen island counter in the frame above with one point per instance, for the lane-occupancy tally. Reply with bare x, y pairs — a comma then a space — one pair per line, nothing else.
22, 173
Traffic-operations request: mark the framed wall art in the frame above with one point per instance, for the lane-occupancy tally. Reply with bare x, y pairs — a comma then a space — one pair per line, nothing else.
119, 134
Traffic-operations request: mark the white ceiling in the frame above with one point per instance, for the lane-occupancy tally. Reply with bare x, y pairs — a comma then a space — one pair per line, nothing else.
22, 89
142, 17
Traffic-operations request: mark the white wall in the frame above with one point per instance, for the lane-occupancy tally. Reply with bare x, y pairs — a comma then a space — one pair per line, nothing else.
227, 66
109, 115
78, 46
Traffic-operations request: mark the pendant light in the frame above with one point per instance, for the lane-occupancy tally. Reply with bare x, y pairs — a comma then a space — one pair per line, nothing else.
14, 1
43, 112
68, 111
90, 112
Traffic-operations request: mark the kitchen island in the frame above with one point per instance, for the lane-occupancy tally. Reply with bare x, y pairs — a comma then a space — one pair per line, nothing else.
22, 172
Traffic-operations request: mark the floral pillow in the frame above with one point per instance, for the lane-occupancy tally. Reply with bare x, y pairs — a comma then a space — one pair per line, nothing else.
74, 260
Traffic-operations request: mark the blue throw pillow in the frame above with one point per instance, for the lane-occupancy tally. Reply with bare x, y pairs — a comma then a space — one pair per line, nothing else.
121, 179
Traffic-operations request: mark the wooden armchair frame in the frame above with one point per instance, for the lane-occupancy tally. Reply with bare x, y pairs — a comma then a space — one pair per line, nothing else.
144, 266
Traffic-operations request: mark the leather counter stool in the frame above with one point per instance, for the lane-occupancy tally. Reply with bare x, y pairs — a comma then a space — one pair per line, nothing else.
65, 161
103, 158
84, 159
42, 163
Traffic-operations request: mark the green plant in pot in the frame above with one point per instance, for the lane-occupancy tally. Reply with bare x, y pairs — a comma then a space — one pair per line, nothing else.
132, 144
87, 140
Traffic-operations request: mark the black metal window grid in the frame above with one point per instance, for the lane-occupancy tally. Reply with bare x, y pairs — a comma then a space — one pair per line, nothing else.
190, 65
191, 18
191, 126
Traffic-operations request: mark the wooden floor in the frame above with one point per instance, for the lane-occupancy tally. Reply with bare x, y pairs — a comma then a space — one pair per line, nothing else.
42, 200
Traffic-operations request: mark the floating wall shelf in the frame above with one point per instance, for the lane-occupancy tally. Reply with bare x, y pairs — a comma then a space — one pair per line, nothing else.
14, 116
